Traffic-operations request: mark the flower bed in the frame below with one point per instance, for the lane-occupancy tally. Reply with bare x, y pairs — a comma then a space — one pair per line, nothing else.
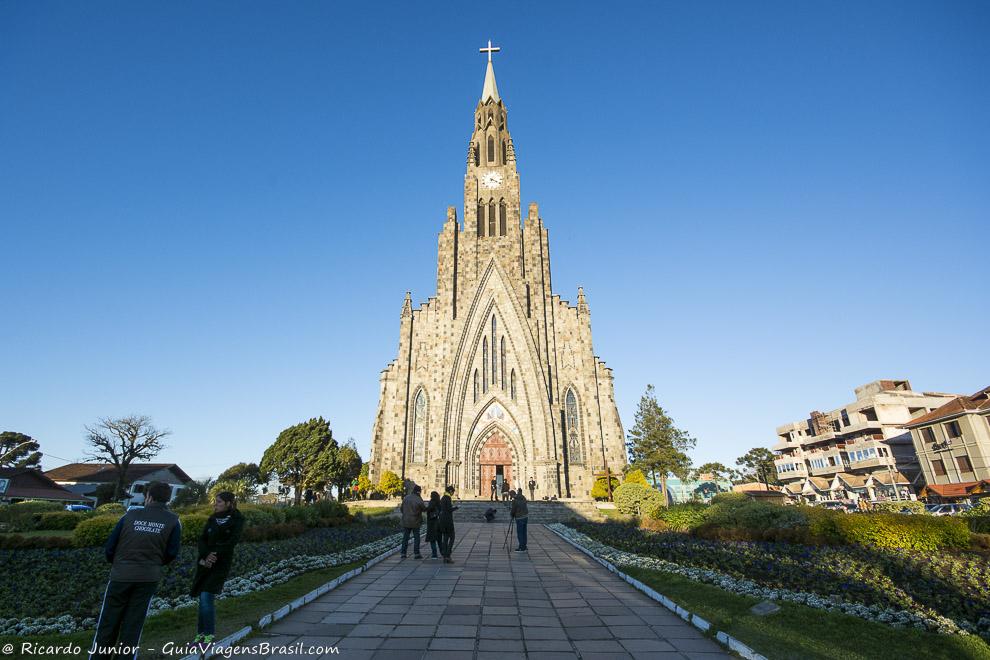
60, 591
941, 592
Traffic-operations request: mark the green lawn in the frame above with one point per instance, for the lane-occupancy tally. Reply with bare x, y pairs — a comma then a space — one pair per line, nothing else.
375, 511
179, 626
801, 632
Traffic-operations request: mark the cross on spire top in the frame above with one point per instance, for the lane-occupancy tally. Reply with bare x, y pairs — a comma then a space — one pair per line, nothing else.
489, 50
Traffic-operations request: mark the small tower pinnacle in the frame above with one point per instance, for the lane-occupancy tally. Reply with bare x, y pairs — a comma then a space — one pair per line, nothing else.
407, 305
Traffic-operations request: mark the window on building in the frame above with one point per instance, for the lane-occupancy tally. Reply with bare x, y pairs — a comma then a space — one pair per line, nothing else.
481, 219
512, 384
484, 365
928, 434
870, 414
477, 150
501, 356
491, 149
494, 354
491, 218
938, 468
501, 218
952, 429
419, 428
476, 386
573, 442
845, 418
963, 463
505, 156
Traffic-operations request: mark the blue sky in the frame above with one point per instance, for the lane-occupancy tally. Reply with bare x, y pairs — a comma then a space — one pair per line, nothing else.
210, 212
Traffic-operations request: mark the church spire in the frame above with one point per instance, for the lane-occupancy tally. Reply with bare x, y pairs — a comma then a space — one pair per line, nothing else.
490, 90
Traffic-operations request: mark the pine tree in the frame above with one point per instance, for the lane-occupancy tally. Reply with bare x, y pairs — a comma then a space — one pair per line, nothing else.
656, 445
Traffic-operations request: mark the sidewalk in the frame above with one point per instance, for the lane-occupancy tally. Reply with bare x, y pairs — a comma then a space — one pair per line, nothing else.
550, 603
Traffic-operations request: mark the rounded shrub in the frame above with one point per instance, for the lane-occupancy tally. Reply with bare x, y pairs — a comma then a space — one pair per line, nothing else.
894, 506
93, 531
60, 520
258, 516
111, 507
192, 527
682, 517
633, 498
978, 524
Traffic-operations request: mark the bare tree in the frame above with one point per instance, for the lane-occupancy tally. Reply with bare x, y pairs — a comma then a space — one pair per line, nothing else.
122, 441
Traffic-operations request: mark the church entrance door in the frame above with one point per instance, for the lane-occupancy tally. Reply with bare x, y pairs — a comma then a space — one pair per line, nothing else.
495, 462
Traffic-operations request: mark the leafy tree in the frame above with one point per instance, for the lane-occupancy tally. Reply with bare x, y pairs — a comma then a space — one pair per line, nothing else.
635, 476
656, 445
295, 456
243, 488
364, 481
19, 451
758, 464
194, 493
336, 467
123, 441
718, 471
248, 472
390, 484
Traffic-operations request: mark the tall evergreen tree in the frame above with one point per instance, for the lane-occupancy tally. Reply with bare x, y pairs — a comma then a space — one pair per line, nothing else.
758, 464
19, 451
297, 454
656, 445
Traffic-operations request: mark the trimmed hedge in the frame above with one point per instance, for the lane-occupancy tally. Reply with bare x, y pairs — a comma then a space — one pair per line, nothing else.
23, 516
111, 507
19, 542
94, 531
192, 527
978, 524
633, 498
889, 531
894, 506
60, 519
681, 517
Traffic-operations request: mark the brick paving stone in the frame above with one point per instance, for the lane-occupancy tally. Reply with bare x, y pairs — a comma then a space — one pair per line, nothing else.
569, 607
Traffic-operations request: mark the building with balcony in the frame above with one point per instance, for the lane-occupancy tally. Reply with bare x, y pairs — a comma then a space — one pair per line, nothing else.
952, 443
859, 451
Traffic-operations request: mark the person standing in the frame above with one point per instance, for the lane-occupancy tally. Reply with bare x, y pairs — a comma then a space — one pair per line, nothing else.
505, 490
412, 517
216, 553
141, 543
432, 519
520, 512
532, 488
494, 489
445, 525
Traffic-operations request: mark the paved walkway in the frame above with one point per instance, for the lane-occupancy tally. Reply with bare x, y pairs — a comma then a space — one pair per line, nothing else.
550, 603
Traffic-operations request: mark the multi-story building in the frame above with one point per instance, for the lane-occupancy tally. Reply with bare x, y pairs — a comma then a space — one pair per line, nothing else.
952, 443
858, 451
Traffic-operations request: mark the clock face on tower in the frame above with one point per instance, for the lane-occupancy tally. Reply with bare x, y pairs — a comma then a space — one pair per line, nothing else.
491, 180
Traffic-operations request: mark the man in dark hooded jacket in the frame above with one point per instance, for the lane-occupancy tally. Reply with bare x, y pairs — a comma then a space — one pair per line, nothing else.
144, 540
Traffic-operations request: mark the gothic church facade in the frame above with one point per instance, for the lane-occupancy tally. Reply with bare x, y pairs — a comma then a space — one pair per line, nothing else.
495, 376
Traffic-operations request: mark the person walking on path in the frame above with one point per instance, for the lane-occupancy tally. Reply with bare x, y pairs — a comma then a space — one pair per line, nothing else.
520, 511
143, 541
216, 553
432, 520
532, 488
494, 490
505, 490
412, 517
445, 524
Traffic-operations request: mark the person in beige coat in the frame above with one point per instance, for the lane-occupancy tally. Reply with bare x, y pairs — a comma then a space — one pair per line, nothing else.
413, 507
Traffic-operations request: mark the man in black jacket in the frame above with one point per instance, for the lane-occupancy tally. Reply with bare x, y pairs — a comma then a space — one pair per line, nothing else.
143, 541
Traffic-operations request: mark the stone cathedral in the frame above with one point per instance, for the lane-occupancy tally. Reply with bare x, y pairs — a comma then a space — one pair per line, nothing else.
495, 376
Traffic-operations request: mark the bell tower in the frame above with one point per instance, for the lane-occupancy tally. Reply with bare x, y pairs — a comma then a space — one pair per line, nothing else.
491, 183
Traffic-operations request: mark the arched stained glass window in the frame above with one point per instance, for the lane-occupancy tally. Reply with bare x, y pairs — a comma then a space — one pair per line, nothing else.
491, 149
573, 432
419, 428
484, 365
494, 354
501, 356
501, 218
512, 384
481, 218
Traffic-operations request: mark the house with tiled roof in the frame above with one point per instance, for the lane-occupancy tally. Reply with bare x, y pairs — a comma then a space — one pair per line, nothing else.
953, 446
85, 478
19, 484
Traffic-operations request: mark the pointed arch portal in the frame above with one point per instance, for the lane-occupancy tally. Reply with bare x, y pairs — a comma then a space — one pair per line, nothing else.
495, 462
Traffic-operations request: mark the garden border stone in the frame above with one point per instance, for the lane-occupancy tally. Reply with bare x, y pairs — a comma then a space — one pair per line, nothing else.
305, 599
695, 620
